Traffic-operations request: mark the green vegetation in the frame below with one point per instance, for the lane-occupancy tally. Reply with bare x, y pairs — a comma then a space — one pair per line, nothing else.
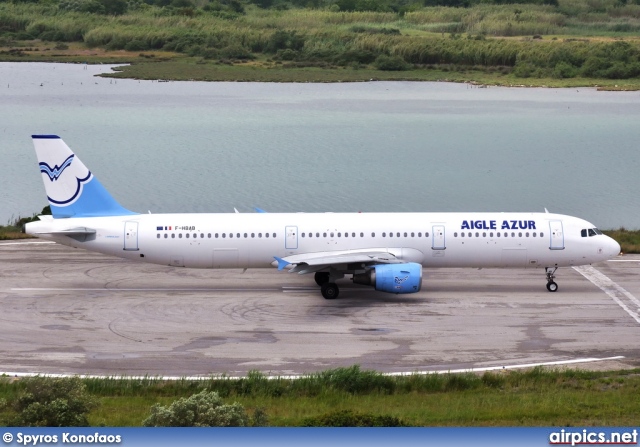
15, 229
543, 42
205, 409
537, 397
629, 240
52, 402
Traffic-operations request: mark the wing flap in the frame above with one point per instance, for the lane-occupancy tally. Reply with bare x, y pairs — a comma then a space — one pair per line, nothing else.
314, 262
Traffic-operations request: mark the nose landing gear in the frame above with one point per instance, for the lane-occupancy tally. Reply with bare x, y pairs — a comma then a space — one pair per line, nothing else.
551, 285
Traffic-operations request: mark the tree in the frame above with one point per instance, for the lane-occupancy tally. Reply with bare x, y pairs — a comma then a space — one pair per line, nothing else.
48, 402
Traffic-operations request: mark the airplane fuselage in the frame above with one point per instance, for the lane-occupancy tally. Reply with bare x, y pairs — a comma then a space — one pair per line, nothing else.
516, 240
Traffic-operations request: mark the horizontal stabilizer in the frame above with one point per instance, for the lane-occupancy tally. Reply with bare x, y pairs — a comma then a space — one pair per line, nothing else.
70, 231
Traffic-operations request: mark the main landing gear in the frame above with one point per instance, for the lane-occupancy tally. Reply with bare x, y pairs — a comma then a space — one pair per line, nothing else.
328, 288
551, 285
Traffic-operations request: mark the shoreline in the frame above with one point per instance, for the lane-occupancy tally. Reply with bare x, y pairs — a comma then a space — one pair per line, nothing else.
163, 66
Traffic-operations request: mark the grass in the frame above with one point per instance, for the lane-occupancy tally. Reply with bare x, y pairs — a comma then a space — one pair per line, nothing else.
536, 397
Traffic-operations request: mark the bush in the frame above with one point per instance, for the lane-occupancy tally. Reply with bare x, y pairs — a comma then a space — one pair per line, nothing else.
564, 70
282, 40
348, 418
136, 45
390, 63
236, 52
48, 402
205, 409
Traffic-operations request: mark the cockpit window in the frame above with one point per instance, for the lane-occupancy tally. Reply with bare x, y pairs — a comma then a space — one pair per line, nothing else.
590, 232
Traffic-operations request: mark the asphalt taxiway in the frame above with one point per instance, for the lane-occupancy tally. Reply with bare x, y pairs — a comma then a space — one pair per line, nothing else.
71, 311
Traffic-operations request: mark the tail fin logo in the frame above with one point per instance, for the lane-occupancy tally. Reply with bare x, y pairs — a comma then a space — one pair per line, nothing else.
55, 172
64, 182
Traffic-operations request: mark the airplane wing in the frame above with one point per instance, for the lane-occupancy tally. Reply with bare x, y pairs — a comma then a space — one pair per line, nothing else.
314, 262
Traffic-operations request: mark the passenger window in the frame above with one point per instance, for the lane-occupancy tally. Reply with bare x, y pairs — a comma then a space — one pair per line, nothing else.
216, 235
158, 235
180, 236
331, 234
426, 235
513, 235
209, 235
484, 234
310, 234
477, 234
224, 235
498, 234
390, 234
166, 235
541, 234
274, 235
462, 234
419, 234
520, 234
259, 235
324, 234
534, 234
413, 234
173, 235
384, 234
266, 235
230, 235
527, 234
373, 235
455, 234
340, 235
361, 234
397, 234
187, 235
195, 236
491, 234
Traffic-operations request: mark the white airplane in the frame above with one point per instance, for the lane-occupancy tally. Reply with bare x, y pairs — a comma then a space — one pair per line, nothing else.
385, 250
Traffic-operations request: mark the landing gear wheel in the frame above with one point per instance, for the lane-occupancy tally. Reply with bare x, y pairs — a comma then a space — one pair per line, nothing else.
550, 273
329, 290
321, 278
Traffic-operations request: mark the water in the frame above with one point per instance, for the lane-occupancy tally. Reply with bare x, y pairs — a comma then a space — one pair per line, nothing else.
378, 146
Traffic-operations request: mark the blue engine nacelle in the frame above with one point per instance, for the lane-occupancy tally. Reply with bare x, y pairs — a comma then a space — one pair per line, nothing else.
392, 278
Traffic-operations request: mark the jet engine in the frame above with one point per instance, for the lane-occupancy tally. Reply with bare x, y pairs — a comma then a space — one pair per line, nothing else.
392, 278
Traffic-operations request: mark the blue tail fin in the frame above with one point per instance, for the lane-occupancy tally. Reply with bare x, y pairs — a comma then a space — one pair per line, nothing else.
71, 188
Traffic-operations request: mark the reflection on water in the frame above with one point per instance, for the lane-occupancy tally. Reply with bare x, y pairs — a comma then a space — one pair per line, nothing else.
378, 146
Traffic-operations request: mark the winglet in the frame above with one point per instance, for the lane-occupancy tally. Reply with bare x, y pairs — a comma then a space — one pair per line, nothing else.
259, 210
281, 262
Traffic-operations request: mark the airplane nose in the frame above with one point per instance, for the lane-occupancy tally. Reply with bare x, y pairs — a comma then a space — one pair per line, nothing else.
613, 247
